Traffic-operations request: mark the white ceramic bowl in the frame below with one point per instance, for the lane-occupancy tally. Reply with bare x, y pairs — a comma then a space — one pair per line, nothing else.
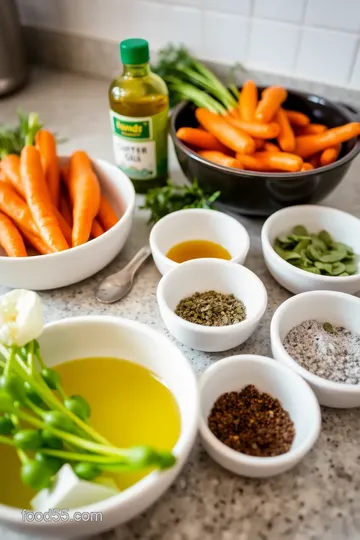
339, 309
344, 228
200, 275
103, 336
56, 270
197, 224
267, 375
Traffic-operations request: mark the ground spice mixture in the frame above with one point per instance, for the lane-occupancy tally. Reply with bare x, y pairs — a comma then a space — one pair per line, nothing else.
211, 308
252, 422
331, 352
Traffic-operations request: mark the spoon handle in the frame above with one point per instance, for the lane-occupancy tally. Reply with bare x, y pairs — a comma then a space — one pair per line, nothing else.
135, 263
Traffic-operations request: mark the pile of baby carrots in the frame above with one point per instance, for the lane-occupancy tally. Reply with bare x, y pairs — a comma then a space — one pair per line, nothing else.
47, 208
261, 135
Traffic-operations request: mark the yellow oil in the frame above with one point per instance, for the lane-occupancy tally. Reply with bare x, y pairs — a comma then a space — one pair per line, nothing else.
129, 406
197, 249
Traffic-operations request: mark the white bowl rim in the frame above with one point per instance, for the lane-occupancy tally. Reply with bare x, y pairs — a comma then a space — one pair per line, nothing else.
195, 211
211, 329
299, 271
14, 514
254, 461
95, 241
290, 303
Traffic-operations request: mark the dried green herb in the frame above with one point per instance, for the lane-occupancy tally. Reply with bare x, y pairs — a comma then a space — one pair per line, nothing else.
316, 253
328, 327
211, 308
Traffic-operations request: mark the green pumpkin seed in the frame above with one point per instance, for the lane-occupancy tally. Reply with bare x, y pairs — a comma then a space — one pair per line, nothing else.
344, 274
350, 266
313, 270
300, 230
338, 268
326, 238
285, 240
319, 244
333, 256
326, 267
302, 245
291, 255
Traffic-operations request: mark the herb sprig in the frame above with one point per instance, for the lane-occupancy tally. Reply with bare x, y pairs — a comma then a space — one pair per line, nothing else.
170, 198
13, 139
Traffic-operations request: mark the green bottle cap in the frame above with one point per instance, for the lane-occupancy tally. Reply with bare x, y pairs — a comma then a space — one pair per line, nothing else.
134, 51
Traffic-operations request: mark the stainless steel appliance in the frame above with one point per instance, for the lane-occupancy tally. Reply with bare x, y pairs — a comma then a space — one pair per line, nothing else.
13, 68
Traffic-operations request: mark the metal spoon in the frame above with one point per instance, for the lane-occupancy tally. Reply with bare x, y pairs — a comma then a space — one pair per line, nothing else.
116, 286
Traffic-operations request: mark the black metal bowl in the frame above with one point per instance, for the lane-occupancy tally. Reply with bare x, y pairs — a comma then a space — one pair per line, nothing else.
261, 194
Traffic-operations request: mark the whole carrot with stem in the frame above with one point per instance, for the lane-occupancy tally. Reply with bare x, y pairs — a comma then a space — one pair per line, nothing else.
329, 155
307, 145
46, 145
286, 137
106, 215
84, 192
10, 238
221, 159
271, 99
232, 137
39, 200
16, 208
248, 101
200, 139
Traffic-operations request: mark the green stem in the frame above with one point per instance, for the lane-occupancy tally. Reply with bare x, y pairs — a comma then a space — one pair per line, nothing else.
6, 440
22, 456
200, 98
77, 456
33, 407
10, 362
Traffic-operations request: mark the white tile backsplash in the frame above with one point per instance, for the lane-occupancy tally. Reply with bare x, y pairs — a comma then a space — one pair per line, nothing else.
314, 60
279, 10
313, 39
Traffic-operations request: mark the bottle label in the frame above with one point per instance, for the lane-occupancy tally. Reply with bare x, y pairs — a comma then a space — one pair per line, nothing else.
140, 145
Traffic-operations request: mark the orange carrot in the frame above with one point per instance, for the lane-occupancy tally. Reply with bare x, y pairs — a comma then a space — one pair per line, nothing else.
297, 118
259, 143
46, 145
64, 174
312, 129
272, 161
271, 147
65, 208
106, 215
232, 137
271, 99
307, 166
307, 145
16, 208
10, 166
329, 155
84, 192
253, 163
10, 238
96, 229
35, 241
255, 129
221, 159
64, 226
200, 139
39, 200
248, 101
286, 137
314, 160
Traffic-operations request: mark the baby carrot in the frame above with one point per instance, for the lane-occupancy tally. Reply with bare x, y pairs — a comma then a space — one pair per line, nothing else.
312, 129
46, 145
314, 161
38, 199
329, 155
307, 166
65, 208
307, 145
10, 238
96, 229
16, 208
200, 139
255, 129
272, 161
271, 99
10, 166
232, 137
259, 143
248, 101
106, 215
253, 163
221, 159
271, 147
35, 241
297, 118
84, 192
286, 137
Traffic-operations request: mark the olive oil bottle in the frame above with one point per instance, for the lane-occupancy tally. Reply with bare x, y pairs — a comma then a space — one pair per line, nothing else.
139, 106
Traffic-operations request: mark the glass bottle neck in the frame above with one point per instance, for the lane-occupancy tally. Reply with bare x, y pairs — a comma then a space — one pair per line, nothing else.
138, 70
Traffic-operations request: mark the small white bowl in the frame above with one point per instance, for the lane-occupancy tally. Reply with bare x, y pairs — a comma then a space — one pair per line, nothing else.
197, 224
200, 275
232, 374
104, 336
342, 226
339, 309
56, 270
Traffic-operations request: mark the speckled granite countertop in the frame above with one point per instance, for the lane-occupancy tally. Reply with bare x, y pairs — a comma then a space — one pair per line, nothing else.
317, 500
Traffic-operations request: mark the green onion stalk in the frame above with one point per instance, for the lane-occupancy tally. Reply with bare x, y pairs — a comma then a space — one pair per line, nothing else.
47, 428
